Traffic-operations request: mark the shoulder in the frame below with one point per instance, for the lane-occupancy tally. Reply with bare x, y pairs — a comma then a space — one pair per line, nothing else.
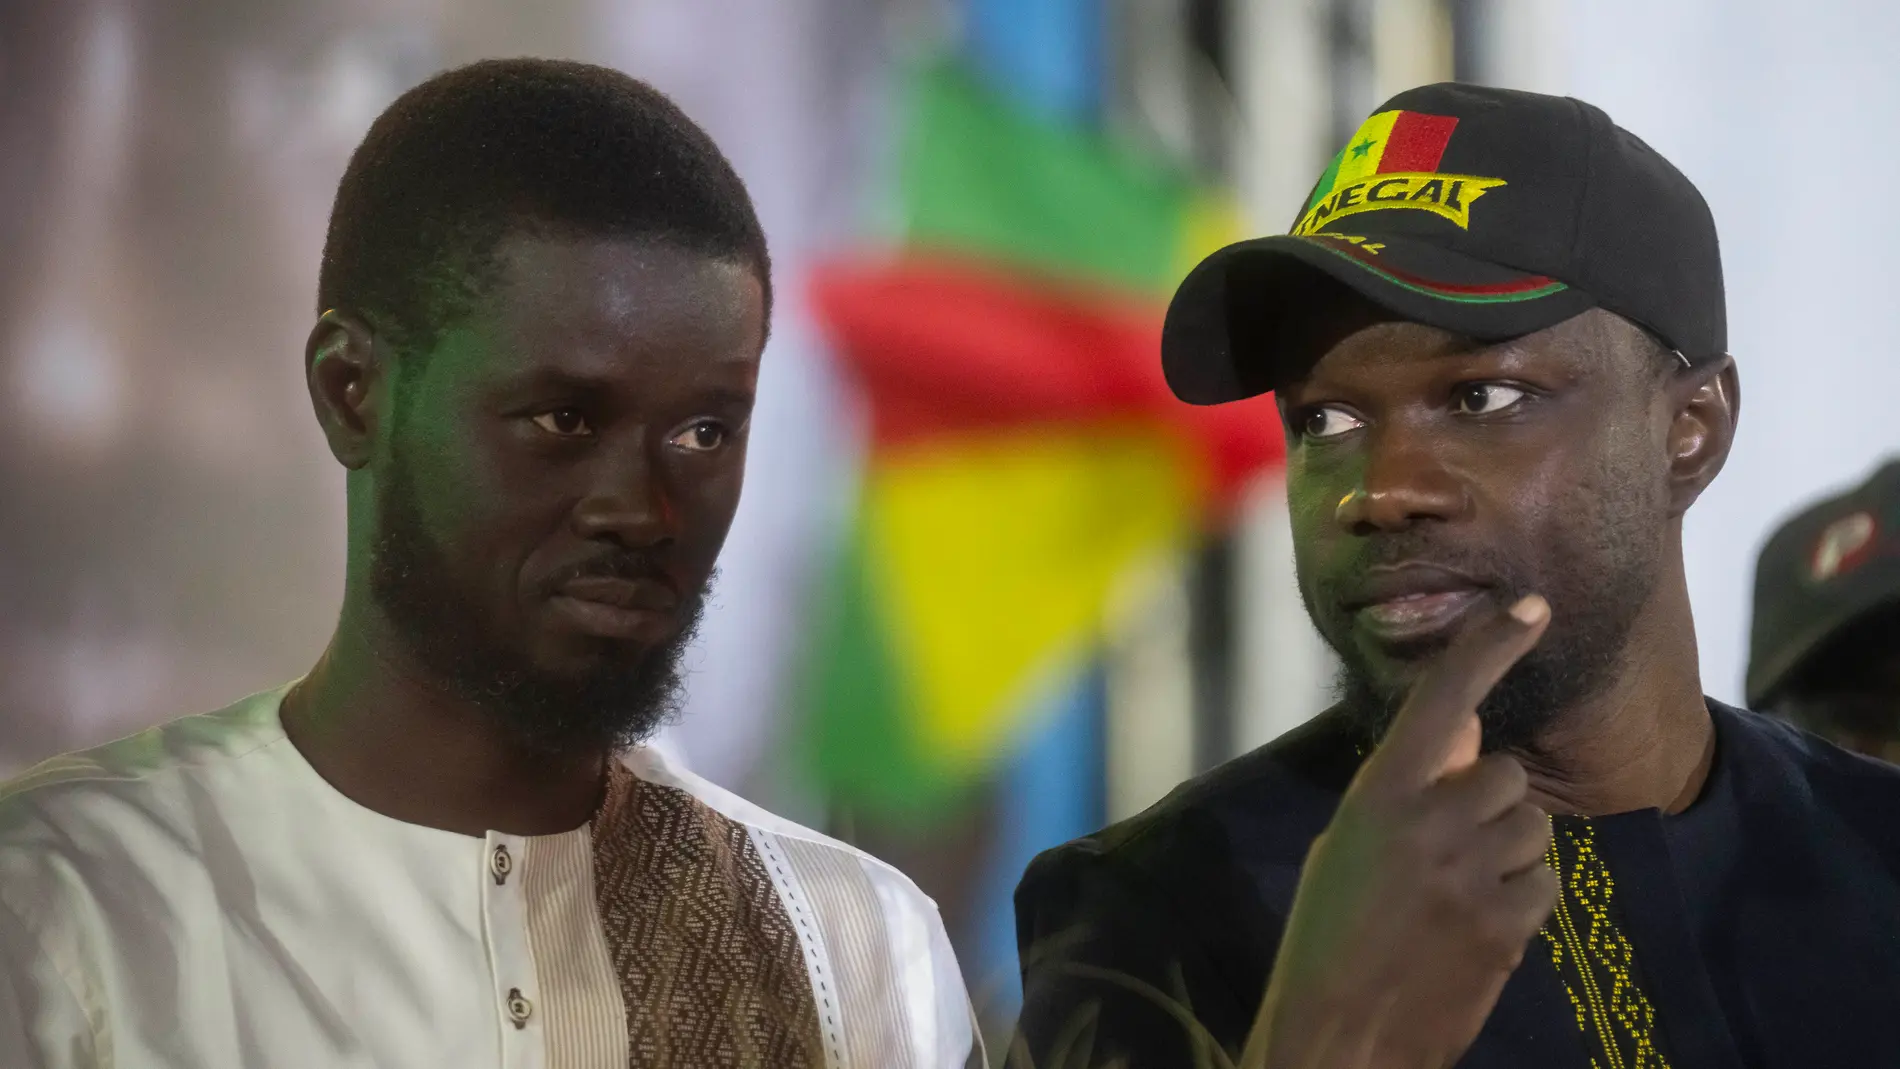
1774, 759
1222, 852
85, 826
136, 778
1265, 806
1187, 898
102, 837
1770, 746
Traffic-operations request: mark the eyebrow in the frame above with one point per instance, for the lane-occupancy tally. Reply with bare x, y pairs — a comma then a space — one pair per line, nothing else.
1464, 347
539, 378
580, 382
728, 395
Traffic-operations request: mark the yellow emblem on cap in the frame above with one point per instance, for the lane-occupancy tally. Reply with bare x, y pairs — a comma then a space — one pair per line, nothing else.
1445, 195
1392, 163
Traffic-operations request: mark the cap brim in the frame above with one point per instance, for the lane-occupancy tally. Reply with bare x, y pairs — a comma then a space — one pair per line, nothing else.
1238, 324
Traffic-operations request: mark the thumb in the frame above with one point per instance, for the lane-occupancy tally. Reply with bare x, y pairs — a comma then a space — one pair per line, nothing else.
1466, 742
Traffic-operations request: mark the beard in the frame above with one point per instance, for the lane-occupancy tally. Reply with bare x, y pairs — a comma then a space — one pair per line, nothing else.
1597, 581
623, 696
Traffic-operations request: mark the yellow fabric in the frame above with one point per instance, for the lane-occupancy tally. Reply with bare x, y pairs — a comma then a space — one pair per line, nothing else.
1360, 159
997, 556
1208, 223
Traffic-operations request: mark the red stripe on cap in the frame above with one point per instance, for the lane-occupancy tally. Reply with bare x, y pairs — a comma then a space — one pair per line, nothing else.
1521, 284
1416, 142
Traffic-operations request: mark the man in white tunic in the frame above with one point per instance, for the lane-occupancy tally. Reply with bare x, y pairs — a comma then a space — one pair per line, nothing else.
542, 304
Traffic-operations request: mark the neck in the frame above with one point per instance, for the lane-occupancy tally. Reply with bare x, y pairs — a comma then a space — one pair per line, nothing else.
1645, 741
391, 738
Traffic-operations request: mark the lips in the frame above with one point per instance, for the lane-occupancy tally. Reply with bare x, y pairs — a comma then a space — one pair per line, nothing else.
630, 609
1410, 602
649, 594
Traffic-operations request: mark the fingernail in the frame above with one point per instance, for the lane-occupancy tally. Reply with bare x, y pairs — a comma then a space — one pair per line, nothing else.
1531, 610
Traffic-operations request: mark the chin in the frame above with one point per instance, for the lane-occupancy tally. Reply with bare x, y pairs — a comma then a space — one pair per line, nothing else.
1395, 668
578, 661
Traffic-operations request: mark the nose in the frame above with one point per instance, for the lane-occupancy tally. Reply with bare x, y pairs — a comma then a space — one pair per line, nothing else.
627, 504
1404, 482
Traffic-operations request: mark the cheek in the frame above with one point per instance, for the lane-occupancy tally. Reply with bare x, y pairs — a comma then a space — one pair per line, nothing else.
1551, 492
448, 465
482, 510
485, 547
487, 511
1627, 495
705, 498
1311, 503
1601, 525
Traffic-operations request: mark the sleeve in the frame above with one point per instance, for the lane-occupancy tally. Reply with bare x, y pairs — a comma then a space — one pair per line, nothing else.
959, 1044
1113, 976
43, 1023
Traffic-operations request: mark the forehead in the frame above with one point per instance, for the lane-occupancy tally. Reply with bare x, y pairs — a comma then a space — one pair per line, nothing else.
1364, 346
617, 306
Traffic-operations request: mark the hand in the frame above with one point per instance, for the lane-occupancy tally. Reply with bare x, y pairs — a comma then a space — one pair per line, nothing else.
1418, 900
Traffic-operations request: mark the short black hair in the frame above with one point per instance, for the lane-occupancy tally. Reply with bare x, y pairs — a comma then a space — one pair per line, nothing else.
498, 146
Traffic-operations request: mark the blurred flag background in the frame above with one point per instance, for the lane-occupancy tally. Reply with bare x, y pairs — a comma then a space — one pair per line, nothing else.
990, 586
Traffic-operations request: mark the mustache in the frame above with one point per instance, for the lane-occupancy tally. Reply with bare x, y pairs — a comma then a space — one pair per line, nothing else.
1415, 547
626, 565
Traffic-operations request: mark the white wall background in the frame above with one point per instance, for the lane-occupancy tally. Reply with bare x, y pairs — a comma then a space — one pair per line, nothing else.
1780, 114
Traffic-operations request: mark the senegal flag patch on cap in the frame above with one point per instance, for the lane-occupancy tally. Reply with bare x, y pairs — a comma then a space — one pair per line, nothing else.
1392, 163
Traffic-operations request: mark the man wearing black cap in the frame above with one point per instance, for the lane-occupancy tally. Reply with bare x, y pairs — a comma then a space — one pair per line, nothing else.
1523, 837
1825, 647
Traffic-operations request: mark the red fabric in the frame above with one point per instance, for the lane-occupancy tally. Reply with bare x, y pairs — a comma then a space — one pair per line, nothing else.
1521, 284
942, 345
1416, 142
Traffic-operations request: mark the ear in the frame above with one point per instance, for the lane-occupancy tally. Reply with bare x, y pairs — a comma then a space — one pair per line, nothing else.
1706, 402
343, 370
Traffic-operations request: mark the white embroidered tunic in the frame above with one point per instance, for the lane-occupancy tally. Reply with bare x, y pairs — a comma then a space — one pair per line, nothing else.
197, 897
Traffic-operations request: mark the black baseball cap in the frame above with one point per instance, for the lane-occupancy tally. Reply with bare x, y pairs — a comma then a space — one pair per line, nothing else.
1489, 212
1833, 565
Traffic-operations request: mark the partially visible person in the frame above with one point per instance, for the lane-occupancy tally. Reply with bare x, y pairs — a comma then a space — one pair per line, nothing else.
542, 305
1824, 649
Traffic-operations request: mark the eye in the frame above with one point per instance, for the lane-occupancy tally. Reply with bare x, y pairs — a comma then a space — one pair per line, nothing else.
702, 436
1484, 398
1327, 421
564, 423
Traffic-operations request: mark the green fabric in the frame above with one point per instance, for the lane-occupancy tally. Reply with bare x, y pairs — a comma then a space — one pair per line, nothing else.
1325, 184
1024, 199
861, 744
982, 178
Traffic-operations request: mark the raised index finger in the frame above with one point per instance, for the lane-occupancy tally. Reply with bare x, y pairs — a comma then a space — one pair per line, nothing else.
1427, 732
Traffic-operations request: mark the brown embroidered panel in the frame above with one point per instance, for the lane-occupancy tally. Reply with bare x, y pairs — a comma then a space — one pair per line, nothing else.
708, 962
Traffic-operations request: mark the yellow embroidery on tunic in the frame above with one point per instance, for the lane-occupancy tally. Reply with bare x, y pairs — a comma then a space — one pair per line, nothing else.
1594, 959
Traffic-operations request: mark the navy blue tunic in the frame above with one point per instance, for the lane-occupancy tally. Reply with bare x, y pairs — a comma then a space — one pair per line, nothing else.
1764, 919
